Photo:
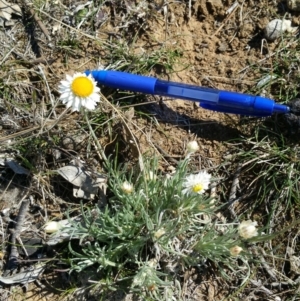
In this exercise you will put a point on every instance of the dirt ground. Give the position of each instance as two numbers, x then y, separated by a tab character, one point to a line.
215	49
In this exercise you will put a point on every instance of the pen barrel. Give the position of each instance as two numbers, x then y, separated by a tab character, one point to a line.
253	104
124	81
185	91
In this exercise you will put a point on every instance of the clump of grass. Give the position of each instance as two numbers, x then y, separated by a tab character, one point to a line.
125	56
273	162
270	153
278	77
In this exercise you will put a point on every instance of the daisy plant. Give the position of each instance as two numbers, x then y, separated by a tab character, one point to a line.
155	227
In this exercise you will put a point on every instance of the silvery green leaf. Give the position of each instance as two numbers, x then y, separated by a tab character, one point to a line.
65	233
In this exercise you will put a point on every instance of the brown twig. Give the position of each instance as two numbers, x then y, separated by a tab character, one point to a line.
165	154
271	271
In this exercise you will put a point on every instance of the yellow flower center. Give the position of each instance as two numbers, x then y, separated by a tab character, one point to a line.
82	86
197	188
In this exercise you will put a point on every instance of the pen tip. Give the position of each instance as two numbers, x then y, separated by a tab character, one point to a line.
279	108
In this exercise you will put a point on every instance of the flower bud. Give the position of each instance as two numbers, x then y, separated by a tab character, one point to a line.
235	251
127	187
192	146
247	229
52	227
159	233
150	176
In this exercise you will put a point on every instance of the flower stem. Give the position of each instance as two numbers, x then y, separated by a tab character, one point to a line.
99	146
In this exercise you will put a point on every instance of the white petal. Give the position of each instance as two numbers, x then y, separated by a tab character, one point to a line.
96	96
65	94
77	104
90	106
69	78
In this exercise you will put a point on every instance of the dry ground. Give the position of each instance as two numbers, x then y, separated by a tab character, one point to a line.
199	45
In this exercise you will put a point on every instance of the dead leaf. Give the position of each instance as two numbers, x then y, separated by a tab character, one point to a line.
16	167
56	28
24	277
7	9
86	184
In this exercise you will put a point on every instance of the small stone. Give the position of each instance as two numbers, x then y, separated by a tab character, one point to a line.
293	117
277	27
222	47
68	143
295	106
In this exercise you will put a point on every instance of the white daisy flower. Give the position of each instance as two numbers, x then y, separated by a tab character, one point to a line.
196	184
79	91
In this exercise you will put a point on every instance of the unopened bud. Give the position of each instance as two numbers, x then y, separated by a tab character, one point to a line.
52	227
235	251
247	229
192	146
160	232
127	187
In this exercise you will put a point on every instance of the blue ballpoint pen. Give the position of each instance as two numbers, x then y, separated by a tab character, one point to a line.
212	99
